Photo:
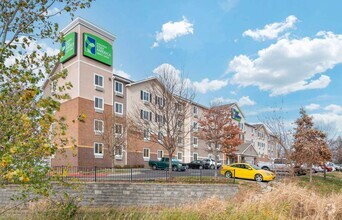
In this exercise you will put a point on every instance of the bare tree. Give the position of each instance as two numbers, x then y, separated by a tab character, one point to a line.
163	118
219	131
275	123
310	144
114	134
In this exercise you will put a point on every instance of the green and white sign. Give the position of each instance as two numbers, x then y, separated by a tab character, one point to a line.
97	49
69	47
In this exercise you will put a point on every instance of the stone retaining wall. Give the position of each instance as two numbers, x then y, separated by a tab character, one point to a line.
113	194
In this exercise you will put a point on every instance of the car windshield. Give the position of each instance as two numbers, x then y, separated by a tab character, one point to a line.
174	160
255	167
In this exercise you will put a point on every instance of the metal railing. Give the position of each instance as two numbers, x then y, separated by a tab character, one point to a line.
101	174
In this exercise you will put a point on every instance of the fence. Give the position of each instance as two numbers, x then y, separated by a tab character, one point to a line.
100	174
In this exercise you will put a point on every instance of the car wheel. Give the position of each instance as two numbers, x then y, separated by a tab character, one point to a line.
212	167
258	178
174	168
229	174
200	167
154	167
265	168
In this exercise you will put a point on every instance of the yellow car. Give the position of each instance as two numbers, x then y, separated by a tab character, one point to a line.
246	171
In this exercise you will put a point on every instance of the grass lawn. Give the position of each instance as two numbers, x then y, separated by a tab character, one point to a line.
332	184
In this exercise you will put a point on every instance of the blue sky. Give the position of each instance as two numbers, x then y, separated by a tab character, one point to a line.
261	54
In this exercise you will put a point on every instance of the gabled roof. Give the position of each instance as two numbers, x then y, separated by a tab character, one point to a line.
246	149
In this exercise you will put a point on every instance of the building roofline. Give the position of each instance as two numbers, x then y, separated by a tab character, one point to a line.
122	78
89	25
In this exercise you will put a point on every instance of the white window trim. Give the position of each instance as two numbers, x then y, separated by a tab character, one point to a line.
193	110
178	156
98	87
119	157
193	125
193	141
98	155
118	113
97	109
149	96
115	129
117	92
162	154
148	138
97	131
149	154
193	156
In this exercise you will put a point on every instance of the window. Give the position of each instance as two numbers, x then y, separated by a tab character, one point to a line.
179	140
195	110
179	124
195	141
146	134
160	101
159	119
118	129
98	126
195	126
98	150
98	81
146	154
118	88
98	104
53	87
145	96
180	156
118	108
160	136
179	107
146	115
160	154
195	156
241	126
118	152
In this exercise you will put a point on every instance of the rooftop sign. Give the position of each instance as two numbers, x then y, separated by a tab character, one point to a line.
97	49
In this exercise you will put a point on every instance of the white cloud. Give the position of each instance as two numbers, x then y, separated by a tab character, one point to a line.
54	11
206	85
227	5
172	30
331	119
271	31
337	109
203	86
289	65
121	73
312	107
243	101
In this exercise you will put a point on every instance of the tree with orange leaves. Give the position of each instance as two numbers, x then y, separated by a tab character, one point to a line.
310	144
219	131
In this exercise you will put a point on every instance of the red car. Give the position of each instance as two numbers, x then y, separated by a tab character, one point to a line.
329	169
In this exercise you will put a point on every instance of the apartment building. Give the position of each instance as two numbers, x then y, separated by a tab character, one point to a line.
264	143
108	102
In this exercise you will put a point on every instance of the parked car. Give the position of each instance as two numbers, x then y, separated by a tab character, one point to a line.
195	164
282	165
246	171
329	169
210	164
317	169
333	166
164	164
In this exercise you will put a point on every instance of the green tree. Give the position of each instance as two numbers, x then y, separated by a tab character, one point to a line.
310	144
26	115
